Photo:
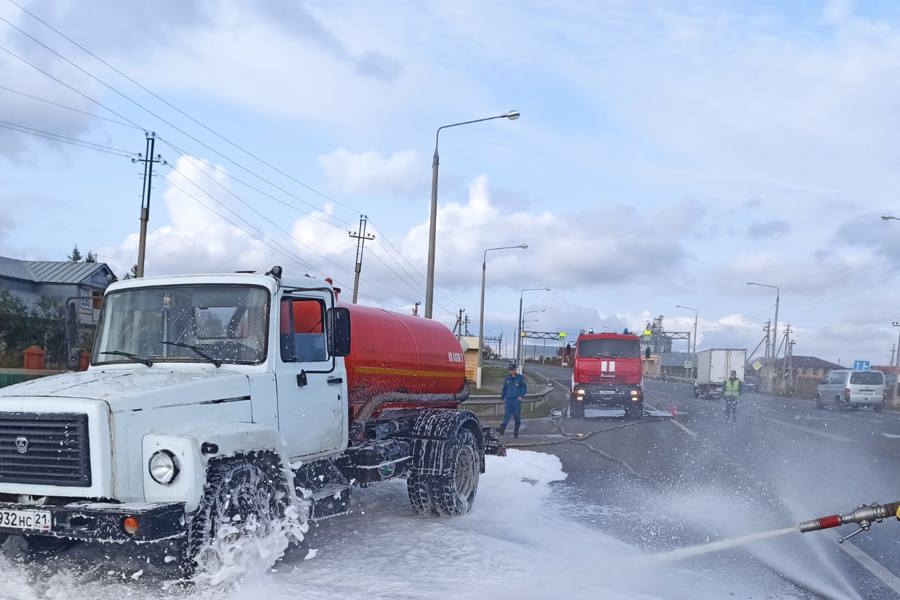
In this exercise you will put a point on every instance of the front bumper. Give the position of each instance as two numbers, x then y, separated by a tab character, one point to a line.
102	522
619	397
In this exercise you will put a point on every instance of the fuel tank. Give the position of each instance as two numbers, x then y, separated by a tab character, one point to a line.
405	355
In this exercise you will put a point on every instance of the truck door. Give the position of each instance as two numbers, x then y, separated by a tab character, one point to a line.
311	413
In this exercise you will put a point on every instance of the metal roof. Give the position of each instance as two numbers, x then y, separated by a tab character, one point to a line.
48	271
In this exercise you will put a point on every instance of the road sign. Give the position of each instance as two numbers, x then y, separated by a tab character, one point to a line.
562	334
861	365
688	364
757	365
648	334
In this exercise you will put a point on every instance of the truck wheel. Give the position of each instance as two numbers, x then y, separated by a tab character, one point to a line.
819	404
576	410
419	494
634	410
243	497
453	492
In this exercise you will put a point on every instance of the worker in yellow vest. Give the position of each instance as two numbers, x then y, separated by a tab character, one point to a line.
733	389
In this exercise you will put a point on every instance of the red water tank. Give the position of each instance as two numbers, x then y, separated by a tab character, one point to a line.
403	354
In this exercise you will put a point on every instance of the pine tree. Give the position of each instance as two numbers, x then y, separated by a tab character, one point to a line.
91	257
76	254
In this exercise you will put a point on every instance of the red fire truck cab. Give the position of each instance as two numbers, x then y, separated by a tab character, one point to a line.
607	373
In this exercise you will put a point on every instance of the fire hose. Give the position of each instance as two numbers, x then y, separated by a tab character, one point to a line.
863	515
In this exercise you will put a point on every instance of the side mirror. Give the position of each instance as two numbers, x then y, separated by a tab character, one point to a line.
338	320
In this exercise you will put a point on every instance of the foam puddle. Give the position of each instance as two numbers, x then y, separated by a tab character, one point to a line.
718	546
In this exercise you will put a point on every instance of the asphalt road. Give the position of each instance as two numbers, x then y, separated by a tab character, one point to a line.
663	483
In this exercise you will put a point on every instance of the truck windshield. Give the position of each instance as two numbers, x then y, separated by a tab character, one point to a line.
609	348
226	323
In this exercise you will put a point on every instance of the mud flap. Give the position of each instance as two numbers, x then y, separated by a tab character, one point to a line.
492	444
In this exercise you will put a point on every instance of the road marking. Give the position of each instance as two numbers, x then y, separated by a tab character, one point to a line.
872	566
684	428
565	388
691	433
830	436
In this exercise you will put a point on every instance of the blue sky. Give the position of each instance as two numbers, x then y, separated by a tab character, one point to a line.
667	153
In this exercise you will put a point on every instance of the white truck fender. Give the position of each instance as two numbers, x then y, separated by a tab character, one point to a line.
187	445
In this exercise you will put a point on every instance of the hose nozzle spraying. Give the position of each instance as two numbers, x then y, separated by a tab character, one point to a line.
863	515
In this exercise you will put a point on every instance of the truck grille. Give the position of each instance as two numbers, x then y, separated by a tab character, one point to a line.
45	449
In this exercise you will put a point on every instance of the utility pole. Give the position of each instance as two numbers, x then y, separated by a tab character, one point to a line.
893	349
148	161
361	237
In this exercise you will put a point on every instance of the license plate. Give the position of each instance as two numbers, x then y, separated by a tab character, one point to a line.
26	520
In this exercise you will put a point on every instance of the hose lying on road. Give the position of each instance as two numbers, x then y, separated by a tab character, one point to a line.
581	440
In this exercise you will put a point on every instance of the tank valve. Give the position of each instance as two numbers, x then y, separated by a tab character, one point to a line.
863	515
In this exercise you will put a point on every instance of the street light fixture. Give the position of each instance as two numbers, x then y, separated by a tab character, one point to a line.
696	313
432	225
519	331
481	316
889	218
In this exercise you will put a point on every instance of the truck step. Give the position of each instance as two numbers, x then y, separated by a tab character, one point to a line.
329	501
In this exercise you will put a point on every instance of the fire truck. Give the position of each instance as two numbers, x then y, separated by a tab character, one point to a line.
607	373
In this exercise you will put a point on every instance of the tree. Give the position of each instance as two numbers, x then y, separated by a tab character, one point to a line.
41	324
132	273
76	254
91	257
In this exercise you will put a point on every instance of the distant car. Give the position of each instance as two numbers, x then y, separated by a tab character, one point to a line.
852	389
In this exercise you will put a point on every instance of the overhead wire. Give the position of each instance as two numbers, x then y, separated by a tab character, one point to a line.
179	129
65	139
69	108
178	110
203	125
292	237
161	118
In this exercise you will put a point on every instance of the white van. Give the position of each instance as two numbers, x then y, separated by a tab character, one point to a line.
852	389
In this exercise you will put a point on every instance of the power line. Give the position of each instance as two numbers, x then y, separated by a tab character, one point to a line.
65	139
69	108
214	199
160	118
276	246
175	108
196	121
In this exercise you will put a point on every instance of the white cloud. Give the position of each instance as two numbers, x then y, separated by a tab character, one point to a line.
373	173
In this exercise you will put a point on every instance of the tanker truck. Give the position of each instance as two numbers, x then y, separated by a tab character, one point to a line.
235	399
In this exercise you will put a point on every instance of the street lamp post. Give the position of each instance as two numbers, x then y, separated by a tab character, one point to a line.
696	313
519	331
481	315
775	324
889	218
432	224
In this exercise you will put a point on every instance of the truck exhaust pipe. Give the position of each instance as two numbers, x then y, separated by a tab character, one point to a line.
863	515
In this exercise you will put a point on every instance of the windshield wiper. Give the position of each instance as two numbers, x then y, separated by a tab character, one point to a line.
134	357
197	351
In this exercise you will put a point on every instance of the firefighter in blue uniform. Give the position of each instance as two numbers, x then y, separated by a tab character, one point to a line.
514	390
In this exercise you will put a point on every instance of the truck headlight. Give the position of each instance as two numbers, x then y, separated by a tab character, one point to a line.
163	467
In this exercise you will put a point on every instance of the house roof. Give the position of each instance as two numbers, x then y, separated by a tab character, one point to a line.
676	359
811	362
49	271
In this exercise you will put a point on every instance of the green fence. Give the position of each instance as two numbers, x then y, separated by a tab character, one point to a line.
11	376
